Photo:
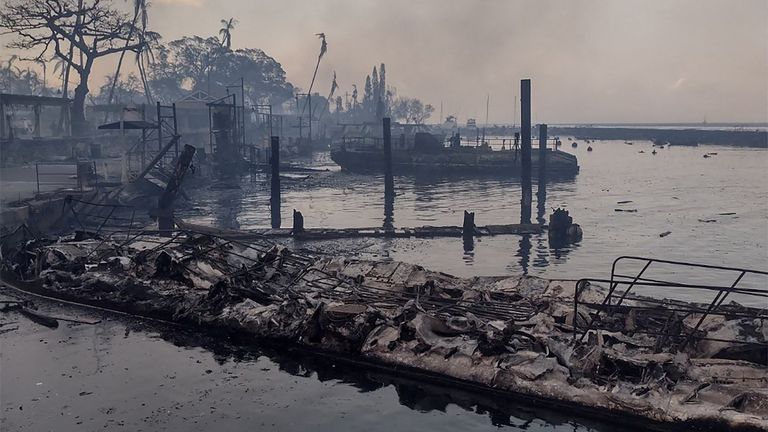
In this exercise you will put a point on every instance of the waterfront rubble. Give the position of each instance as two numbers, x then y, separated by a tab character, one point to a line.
511	334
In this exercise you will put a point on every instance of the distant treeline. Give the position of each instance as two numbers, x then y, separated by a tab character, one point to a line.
736	138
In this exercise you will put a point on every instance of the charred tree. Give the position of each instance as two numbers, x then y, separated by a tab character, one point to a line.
93	28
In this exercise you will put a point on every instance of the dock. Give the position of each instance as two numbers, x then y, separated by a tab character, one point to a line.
368	232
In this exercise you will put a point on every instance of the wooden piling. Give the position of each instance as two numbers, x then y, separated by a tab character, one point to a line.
274	200
541	193
468	231
468	228
525	151
298	222
389	182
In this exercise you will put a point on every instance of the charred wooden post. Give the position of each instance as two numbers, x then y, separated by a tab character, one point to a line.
389	182
468	229
541	193
525	151
274	200
298	222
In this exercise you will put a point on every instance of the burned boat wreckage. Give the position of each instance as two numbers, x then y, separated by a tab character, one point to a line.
361	149
597	346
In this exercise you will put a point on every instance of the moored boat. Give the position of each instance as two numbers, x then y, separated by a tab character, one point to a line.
426	153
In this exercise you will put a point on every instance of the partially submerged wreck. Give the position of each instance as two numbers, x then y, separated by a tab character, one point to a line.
594	345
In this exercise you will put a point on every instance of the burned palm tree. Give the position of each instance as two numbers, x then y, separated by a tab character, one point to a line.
226	32
334	86
140	16
323	50
146	55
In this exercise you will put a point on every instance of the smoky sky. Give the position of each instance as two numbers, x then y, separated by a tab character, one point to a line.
589	61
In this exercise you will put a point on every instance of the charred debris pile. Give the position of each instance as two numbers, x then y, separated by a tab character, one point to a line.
590	345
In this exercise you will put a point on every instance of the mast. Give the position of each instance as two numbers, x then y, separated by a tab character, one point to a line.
487	104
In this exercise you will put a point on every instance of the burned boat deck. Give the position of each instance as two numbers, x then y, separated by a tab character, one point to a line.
568	343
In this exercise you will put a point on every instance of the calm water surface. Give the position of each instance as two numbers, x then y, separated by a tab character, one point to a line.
123	374
716	210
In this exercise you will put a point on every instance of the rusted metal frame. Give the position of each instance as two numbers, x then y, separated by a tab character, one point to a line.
716	302
607	299
687	311
755	292
75	214
98	230
689	264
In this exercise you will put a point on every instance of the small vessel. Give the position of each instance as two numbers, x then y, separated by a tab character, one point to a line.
574	144
589	149
653	152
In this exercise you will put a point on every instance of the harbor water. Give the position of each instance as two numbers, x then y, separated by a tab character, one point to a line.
674	205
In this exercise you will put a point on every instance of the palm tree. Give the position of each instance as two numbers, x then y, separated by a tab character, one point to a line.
226	32
144	56
42	62
139	13
323	50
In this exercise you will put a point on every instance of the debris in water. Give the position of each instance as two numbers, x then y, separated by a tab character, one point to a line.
665	233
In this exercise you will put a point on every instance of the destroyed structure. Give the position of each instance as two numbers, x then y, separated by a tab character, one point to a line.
593	345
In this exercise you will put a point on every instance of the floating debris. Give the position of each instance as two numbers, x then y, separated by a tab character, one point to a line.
665	233
625	210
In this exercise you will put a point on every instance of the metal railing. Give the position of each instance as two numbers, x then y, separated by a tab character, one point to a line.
97	217
51	176
665	317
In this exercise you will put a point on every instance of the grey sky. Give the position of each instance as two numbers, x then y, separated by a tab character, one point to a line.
590	61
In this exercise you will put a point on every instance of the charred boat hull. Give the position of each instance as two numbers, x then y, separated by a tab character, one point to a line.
469	160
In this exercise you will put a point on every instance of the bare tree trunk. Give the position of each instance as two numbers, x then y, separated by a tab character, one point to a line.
65	85
79	126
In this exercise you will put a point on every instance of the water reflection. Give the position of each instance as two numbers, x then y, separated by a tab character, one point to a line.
389	210
227	205
412	392
524	252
